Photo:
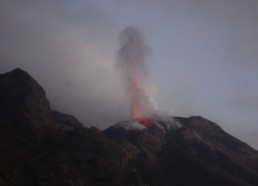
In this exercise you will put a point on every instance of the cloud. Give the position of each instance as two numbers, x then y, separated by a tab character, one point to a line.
70	50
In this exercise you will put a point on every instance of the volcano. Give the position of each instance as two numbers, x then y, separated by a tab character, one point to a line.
187	151
40	147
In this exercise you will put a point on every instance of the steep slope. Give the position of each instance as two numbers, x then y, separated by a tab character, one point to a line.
187	151
21	98
208	141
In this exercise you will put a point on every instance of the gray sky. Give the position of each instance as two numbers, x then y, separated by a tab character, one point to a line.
204	57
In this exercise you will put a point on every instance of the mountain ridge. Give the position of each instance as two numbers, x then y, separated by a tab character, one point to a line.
39	146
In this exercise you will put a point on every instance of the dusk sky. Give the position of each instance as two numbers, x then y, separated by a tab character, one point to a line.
203	59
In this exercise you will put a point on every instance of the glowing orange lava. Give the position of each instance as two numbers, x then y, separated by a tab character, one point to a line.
144	121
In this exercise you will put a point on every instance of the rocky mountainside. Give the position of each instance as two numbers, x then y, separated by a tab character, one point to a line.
187	151
41	147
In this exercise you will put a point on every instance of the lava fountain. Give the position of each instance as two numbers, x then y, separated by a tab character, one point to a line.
131	59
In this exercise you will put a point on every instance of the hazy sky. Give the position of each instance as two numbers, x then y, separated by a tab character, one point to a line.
204	56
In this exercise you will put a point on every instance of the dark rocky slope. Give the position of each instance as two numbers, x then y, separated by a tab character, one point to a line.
40	147
43	147
187	151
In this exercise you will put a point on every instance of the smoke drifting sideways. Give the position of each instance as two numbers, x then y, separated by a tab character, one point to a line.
131	60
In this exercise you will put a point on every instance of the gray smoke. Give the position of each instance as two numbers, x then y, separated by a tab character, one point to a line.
131	60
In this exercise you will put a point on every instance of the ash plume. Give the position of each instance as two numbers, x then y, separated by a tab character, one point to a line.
131	59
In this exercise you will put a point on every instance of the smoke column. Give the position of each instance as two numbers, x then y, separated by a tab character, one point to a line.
131	59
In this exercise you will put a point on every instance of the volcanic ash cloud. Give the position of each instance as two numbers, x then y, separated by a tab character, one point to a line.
131	60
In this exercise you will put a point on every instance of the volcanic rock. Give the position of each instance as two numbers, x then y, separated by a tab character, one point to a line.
187	151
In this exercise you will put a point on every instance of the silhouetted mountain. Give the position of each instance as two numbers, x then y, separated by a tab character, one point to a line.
37	149
41	147
21	98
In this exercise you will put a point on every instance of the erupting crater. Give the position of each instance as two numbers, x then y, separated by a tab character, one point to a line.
144	121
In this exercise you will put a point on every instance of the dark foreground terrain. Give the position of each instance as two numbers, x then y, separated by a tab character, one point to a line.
41	147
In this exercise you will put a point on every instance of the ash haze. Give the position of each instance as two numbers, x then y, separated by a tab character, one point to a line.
204	57
131	60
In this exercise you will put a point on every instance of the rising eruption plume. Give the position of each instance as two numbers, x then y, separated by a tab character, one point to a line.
131	58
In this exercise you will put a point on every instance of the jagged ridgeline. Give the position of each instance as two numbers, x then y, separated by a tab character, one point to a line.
41	147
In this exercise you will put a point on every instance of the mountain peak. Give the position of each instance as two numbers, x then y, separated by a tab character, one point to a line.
18	74
21	94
